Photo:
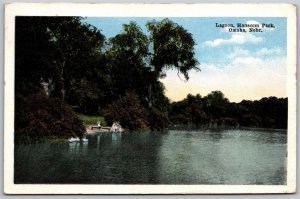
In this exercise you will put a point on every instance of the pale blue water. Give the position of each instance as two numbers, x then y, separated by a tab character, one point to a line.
175	157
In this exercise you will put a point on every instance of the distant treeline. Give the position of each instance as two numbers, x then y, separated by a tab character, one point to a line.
215	111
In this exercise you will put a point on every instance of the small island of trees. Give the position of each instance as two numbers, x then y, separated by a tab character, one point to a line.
66	69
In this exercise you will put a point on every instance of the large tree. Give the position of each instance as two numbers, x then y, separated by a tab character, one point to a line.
172	47
64	53
127	60
58	48
138	61
33	54
77	46
85	71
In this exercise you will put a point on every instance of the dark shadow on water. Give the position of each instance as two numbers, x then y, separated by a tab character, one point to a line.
216	135
108	158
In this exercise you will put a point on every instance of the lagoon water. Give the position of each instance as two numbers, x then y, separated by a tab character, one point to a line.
176	157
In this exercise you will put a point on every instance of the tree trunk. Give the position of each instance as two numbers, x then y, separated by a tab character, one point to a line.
61	81
150	96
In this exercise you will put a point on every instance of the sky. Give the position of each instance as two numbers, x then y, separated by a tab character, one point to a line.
242	65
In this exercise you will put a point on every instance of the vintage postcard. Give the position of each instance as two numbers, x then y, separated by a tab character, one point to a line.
150	98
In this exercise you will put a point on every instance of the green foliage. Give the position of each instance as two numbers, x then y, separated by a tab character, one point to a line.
89	73
271	112
133	54
158	120
128	70
190	110
215	104
215	108
173	47
128	111
32	54
119	78
131	70
38	118
131	41
87	119
68	53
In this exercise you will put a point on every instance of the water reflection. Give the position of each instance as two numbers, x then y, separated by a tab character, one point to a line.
174	157
78	148
116	138
216	135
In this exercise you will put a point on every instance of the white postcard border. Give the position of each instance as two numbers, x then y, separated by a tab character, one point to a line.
146	10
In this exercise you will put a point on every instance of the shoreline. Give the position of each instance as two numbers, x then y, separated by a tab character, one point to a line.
116	127
261	129
89	131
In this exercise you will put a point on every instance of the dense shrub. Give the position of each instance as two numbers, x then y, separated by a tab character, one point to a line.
37	117
128	111
158	120
189	111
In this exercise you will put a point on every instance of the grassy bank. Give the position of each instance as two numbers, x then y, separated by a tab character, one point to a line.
87	119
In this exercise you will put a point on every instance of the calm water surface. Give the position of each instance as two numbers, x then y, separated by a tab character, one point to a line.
176	157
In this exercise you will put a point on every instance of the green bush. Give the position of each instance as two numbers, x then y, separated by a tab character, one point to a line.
37	118
158	120
128	111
